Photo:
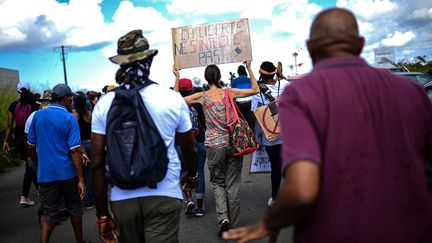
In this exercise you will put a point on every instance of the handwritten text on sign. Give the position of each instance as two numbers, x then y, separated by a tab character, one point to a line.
215	43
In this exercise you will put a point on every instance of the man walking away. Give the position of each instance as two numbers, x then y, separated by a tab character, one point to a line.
244	103
143	214
55	133
353	148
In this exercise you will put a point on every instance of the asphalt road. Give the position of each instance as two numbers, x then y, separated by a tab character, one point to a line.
19	224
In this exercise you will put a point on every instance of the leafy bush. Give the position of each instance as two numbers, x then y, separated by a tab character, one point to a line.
9	160
7	96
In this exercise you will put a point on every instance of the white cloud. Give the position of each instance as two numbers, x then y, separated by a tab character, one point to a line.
398	38
80	23
423	13
368	8
247	8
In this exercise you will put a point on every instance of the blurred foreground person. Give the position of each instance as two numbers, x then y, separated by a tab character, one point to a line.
353	143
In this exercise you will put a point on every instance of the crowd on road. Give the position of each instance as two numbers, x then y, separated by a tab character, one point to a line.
349	165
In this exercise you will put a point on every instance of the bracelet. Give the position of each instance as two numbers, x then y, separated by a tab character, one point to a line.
104	219
193	177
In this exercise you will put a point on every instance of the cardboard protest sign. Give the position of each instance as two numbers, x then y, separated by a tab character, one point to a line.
260	161
212	43
268	118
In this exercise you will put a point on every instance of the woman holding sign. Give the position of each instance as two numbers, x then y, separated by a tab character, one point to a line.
225	169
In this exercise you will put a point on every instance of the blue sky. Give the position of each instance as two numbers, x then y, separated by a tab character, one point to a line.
30	35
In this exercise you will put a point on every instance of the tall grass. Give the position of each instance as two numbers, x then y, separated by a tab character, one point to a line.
7	96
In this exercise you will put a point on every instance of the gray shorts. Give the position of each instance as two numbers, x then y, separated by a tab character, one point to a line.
51	195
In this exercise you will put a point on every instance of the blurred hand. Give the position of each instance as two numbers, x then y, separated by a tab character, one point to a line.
191	183
246	234
81	189
6	147
85	159
30	161
176	72
109	232
279	71
247	63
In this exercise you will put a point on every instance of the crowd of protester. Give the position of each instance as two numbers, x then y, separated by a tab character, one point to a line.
349	165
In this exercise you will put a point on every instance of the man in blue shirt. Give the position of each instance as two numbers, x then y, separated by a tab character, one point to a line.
244	104
55	133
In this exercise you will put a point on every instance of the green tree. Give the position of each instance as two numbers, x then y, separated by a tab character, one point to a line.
419	64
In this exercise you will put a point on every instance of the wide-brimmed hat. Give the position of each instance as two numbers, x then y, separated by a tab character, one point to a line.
132	47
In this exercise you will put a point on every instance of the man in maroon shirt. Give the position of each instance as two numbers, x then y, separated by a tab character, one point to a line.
353	141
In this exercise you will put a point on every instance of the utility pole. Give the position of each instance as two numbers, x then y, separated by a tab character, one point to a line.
64	61
295	54
292	69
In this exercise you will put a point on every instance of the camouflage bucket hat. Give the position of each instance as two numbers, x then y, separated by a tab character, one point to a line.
132	47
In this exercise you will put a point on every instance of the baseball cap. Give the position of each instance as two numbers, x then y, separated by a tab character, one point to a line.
61	90
23	85
185	84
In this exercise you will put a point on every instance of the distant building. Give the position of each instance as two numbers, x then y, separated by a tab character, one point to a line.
9	78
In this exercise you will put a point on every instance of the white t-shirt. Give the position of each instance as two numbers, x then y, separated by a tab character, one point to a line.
170	114
276	91
28	122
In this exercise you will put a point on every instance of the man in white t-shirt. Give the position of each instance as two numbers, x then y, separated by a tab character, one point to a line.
143	214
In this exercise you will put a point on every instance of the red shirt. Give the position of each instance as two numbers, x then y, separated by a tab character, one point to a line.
366	129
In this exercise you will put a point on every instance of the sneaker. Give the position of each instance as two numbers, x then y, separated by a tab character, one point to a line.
270	202
199	212
189	208
26	201
224	225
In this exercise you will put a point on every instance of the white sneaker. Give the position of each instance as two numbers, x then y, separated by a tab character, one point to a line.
26	201
270	202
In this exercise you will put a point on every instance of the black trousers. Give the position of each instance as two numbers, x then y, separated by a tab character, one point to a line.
274	154
29	178
30	173
245	109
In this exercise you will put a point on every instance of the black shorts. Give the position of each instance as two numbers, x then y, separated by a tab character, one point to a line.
51	195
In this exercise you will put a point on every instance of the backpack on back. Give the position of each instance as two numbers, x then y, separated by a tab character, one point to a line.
22	112
136	154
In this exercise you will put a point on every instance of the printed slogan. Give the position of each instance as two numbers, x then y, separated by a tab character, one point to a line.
213	43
